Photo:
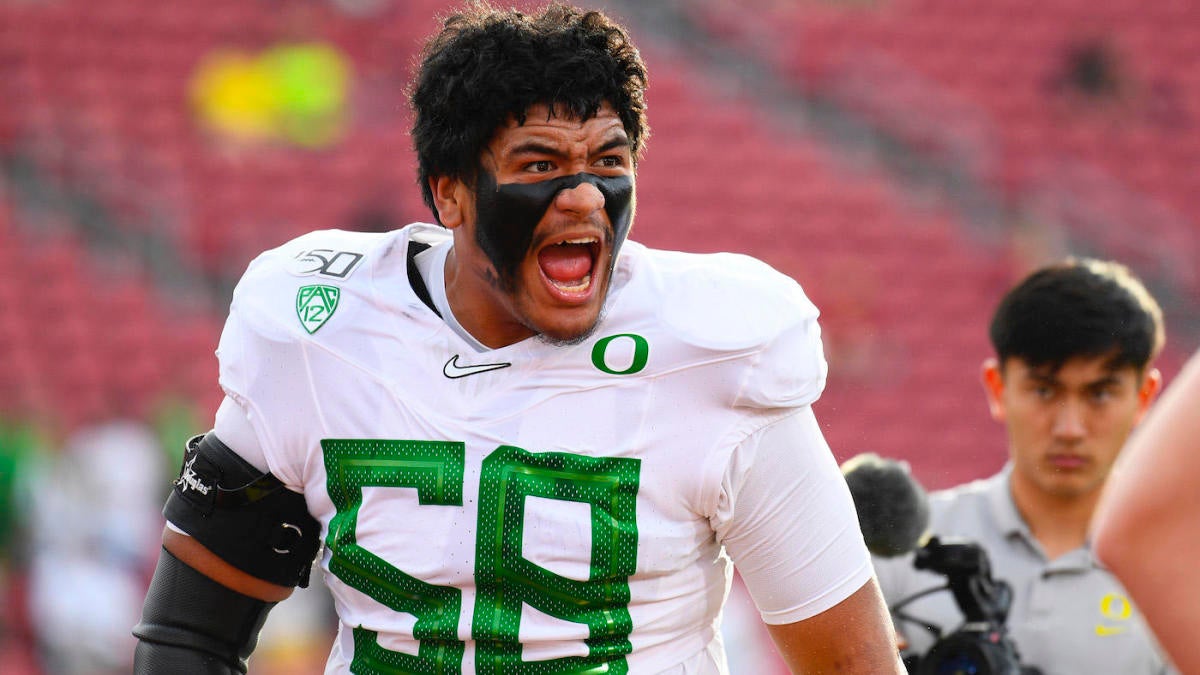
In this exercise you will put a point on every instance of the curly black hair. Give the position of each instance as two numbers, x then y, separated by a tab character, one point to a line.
486	66
1079	307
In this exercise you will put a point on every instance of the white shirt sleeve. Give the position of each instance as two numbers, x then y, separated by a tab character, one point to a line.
787	520
233	428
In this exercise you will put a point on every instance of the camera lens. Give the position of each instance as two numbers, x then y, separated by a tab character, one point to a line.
958	664
969	653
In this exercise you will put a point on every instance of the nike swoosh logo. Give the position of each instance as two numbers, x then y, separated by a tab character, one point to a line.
454	371
1103	630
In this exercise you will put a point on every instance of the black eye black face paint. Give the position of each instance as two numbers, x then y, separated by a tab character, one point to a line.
509	213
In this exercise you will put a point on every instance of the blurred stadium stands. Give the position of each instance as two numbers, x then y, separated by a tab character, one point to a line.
903	160
989	137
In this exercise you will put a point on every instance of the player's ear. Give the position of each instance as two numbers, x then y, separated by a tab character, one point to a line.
449	195
992	377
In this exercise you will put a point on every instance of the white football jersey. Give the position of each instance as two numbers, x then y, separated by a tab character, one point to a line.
536	508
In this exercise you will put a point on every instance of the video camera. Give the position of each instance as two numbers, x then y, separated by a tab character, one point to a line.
894	515
981	646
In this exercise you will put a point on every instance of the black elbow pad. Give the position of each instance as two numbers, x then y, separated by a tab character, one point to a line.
246	517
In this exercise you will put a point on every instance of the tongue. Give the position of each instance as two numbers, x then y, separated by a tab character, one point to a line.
567	262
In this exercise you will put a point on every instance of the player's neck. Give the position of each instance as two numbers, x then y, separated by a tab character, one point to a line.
1058	522
477	308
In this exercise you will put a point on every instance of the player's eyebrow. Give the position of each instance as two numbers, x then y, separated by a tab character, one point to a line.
535	148
618	140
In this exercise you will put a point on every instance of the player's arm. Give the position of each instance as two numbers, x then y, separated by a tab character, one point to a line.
854	636
793	534
1145	524
236	544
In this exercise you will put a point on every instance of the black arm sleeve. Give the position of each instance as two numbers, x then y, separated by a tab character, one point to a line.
192	624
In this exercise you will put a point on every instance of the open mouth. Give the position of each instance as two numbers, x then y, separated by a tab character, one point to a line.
568	266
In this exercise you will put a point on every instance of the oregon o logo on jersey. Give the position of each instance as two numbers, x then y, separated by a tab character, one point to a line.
637	361
315	304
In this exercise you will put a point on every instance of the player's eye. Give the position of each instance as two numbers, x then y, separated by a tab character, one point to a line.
540	166
611	161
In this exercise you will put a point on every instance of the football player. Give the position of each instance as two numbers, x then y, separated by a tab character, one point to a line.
521	442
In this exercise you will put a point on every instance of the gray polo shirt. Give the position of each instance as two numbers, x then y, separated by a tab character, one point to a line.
1069	616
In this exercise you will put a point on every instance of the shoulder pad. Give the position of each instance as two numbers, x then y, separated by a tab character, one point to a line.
729	301
735	303
330	254
274	299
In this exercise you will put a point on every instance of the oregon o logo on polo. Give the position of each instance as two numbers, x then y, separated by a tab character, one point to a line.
1116	607
315	304
604	353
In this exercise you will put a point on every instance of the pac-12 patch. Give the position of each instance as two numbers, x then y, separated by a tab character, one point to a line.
315	304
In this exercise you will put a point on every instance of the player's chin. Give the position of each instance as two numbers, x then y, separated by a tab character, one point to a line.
565	315
565	323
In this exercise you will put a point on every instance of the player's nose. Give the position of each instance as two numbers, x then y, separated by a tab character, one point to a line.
582	199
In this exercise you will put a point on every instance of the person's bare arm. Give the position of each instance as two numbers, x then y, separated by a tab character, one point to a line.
1145	528
854	637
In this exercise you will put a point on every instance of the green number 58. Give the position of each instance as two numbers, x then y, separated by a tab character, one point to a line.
504	578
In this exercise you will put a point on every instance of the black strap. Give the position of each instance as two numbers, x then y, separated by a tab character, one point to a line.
246	517
229	491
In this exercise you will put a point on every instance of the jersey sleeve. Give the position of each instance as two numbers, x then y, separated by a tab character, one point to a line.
263	356
787	520
232	426
256	350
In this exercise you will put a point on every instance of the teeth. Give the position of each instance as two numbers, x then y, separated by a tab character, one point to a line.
581	240
574	288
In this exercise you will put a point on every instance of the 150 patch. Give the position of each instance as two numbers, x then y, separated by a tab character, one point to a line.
325	262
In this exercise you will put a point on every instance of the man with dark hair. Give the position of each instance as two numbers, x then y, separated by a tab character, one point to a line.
521	451
1071	376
